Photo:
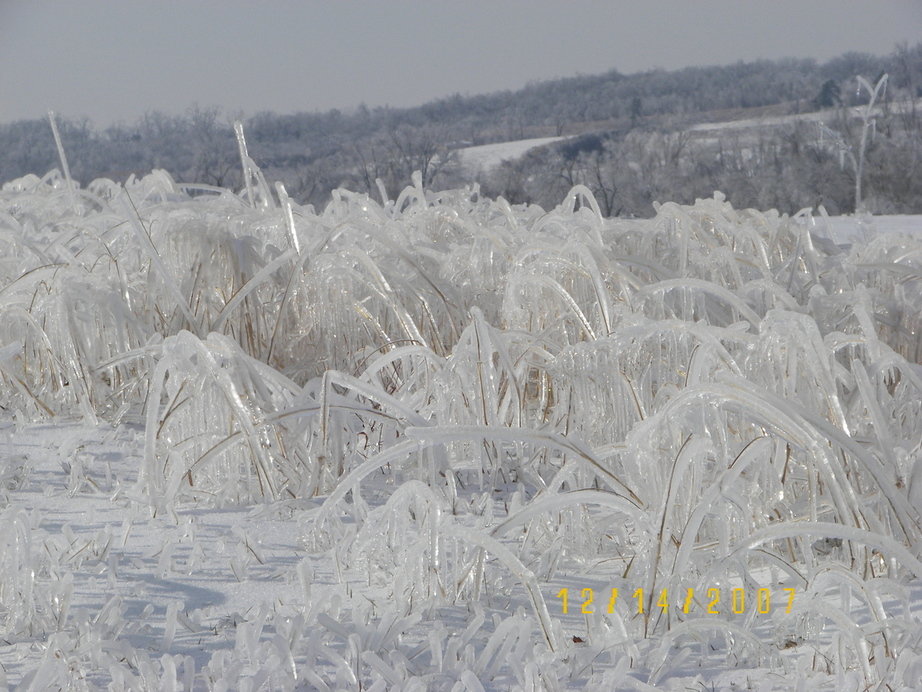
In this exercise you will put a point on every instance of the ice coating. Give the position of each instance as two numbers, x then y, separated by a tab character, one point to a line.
461	407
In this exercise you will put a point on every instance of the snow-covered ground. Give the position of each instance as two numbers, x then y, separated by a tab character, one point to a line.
848	229
485	157
381	447
821	116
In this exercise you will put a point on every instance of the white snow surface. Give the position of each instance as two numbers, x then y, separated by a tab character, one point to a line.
485	157
849	229
820	117
191	497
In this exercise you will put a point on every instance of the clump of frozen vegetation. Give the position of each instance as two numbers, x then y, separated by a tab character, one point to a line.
461	408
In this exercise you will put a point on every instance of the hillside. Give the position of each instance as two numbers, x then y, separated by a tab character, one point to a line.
313	153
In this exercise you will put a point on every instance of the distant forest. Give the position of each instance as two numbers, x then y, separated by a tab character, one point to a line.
632	139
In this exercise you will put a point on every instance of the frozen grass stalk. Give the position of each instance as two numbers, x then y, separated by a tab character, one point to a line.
867	123
62	156
244	162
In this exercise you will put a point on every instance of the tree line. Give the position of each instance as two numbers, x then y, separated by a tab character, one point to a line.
628	138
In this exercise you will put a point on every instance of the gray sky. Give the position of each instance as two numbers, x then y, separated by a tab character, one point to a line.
113	60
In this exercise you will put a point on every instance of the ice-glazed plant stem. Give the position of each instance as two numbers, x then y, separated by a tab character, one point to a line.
540	438
829	529
289	216
131	213
65	169
526	576
866	123
244	161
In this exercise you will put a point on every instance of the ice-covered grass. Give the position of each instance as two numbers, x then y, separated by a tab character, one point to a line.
380	446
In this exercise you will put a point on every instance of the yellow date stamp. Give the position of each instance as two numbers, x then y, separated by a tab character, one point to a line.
713	601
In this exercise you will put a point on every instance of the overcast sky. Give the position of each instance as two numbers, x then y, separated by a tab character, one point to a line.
113	60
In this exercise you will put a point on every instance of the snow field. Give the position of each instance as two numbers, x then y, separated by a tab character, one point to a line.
249	444
484	157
